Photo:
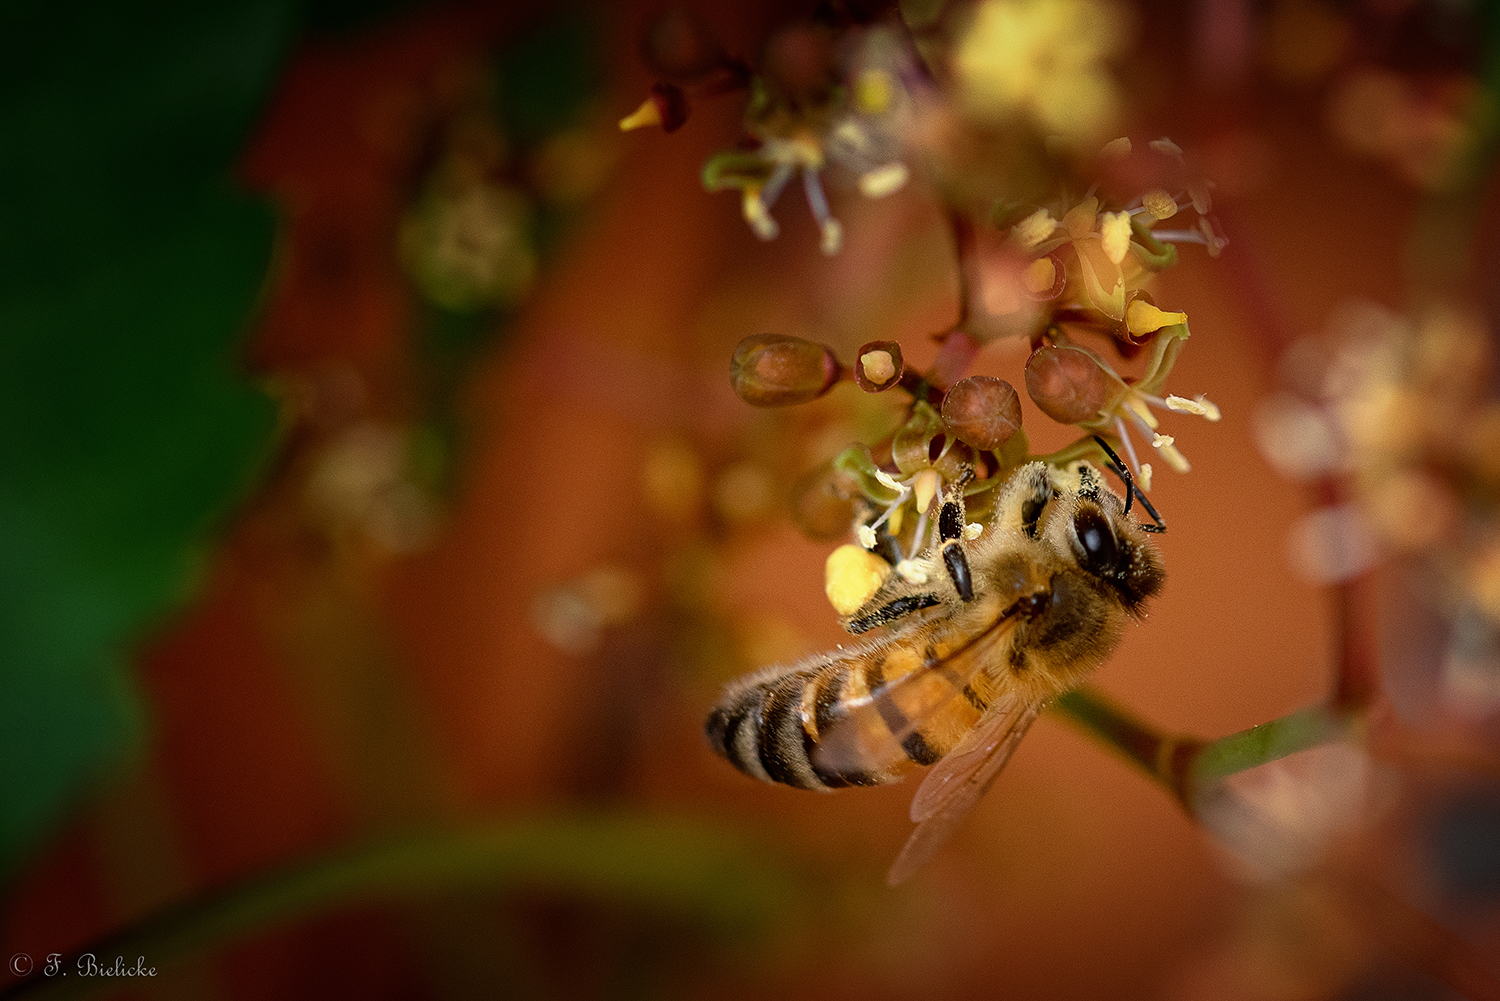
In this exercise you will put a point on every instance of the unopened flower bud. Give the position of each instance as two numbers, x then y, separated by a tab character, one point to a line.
879	366
982	411
1066	384
774	370
666	105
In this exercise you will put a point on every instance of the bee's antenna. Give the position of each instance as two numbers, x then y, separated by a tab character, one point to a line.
1131	490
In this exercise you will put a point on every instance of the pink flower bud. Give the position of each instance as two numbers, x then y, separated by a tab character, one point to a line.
774	370
1066	384
982	411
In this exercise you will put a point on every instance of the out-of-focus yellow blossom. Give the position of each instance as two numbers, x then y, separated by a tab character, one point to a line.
1044	59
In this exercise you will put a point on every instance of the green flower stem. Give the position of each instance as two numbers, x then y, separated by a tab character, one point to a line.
1186	766
672	866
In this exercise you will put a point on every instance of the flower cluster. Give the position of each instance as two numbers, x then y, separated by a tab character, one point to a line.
1398	417
970	104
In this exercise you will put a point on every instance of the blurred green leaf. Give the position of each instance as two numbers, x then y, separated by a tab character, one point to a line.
128	272
678	867
545	77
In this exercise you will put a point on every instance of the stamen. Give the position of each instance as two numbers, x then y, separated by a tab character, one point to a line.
776	183
919	537
1179	236
755	213
1135	463
817	201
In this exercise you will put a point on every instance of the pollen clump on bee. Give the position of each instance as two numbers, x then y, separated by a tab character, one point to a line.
851	575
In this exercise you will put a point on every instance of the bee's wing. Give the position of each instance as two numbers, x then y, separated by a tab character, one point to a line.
957	782
869	732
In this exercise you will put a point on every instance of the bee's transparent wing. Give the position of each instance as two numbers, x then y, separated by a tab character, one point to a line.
957	782
868	733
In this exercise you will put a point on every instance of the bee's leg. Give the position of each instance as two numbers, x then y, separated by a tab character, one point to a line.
950	536
891	611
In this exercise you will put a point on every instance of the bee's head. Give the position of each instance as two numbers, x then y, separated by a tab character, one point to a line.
1110	546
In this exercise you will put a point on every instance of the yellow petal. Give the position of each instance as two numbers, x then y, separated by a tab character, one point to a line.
1079	222
851	576
647	115
925	486
1143	318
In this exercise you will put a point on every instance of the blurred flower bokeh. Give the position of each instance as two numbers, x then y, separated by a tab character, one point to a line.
416	413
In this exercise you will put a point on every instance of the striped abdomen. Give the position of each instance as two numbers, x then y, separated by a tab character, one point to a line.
768	724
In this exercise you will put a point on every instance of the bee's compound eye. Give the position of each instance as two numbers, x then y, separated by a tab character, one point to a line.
1097	549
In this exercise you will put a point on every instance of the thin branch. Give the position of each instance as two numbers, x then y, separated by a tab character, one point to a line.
1188	767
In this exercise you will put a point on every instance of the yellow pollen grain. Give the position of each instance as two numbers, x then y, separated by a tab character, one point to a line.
912	571
874	92
1160	204
1034	228
879	367
1041	275
884	180
851	576
1114	230
755	213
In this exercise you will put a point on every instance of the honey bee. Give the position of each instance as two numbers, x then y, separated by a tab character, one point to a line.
983	634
